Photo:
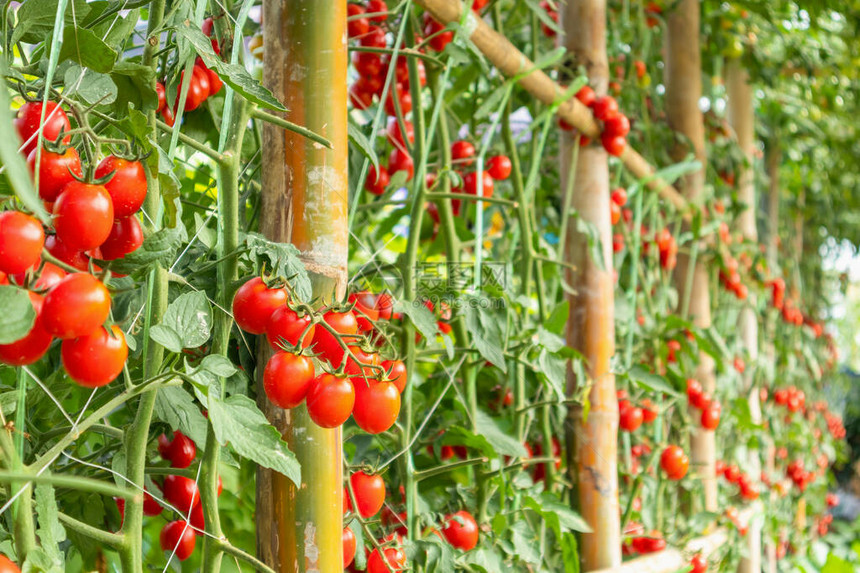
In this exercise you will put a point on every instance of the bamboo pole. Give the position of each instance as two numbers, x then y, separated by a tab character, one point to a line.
683	92
304	201
592	441
513	63
741	117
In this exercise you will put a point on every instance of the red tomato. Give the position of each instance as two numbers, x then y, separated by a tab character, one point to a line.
396	373
461	530
83	215
400	160
35	343
394	556
369	491
325	344
385	306
285	327
586	96
162	97
287	379
395	134
178	538
440	36
198	88
7	566
463	152
196	519
377	181
619	196
330	400
356	26
348	546
21	241
616	126
364	310
78	259
254	303
605	108
499	167
711	416
181	492
377	405
374	38
470	184
630	419
649	411
404	100
127	187
180	451
55	171
614	145
151	507
126	236
28	121
95	359
674	462
367	63
732	473
48	277
215	81
614	213
695	393
617	243
699	564
168	116
77	306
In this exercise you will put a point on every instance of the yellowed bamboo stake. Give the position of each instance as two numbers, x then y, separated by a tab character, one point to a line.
513	63
742	119
683	92
304	201
592	442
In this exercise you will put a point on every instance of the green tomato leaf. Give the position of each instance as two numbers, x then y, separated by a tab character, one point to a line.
652	382
16	313
84	47
237	420
360	141
187	323
51	533
283	260
134	87
177	407
485	328
90	86
161	247
233	75
36	19
420	316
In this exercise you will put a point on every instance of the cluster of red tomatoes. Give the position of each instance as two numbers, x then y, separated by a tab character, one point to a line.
700	400
372	67
498	168
630	417
642	544
617	200
91	218
178	536
354	381
616	126
730	278
368	492
667	246
203	84
732	473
